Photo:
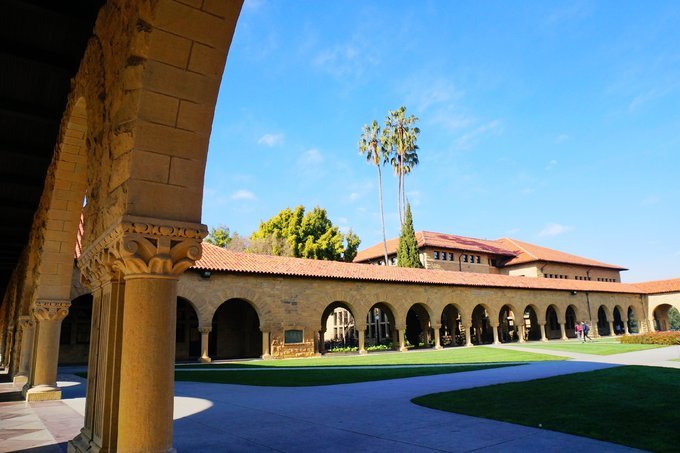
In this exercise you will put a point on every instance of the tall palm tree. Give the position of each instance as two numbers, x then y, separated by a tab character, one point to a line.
371	145
399	138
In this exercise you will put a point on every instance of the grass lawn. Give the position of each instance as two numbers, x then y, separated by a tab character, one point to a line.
473	355
355	368
635	406
597	347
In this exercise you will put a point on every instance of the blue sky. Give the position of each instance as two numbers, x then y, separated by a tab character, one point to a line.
556	123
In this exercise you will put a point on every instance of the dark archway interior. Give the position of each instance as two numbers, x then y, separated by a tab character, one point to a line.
451	332
508	331
418	326
533	330
74	342
188	338
633	326
236	331
481	326
602	323
570	322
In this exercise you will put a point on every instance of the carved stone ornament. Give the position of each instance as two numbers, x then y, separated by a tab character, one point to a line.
204	330
51	310
26	322
142	246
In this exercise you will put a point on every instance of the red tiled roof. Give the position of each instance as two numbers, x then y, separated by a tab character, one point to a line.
660	286
219	259
430	239
527	253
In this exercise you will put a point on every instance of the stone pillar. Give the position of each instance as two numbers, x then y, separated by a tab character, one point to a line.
437	336
563	329
522	332
362	339
322	342
205	338
402	342
594	331
468	337
266	345
541	327
494	329
626	331
43	380
9	342
612	332
27	326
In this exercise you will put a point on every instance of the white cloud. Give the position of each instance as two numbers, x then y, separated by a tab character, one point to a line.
552	164
354	196
345	60
561	138
555	229
243	194
270	140
311	157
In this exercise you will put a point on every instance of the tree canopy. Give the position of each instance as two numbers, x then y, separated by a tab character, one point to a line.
219	236
407	253
292	232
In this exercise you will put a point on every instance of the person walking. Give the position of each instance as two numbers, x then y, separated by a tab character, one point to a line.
585	329
578	331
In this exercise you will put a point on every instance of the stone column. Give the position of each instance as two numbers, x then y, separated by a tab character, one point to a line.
43	381
9	342
594	331
27	326
322	342
563	329
612	332
494	329
266	345
437	336
402	342
522	330
205	337
362	339
541	327
626	331
468	337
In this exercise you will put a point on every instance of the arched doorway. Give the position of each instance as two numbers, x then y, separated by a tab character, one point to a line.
452	332
570	322
74	341
236	331
531	326
552	324
338	327
481	330
633	324
418	328
602	322
661	320
187	336
619	328
507	325
379	322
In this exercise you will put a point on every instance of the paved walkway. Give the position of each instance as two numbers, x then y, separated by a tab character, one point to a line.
375	416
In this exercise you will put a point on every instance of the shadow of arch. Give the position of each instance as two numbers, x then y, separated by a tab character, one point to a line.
235	331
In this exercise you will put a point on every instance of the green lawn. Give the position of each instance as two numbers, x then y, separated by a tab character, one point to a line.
634	405
597	347
473	355
355	368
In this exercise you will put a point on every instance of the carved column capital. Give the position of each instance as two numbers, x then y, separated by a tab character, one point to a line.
205	330
26	322
51	310
140	246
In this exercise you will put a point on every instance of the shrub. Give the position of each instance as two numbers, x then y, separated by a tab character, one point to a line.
380	347
668	338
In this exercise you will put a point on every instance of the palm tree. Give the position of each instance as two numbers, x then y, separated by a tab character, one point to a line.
399	138
371	145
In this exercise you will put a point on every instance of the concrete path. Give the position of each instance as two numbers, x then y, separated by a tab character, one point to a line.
375	416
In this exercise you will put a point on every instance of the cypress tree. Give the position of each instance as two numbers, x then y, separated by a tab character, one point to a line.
407	253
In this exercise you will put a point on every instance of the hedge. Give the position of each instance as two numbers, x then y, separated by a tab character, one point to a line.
668	338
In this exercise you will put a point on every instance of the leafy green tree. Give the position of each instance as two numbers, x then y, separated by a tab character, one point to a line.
399	137
352	242
372	146
407	253
674	318
220	236
303	235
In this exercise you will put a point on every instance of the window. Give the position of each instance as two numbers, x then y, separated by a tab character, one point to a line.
479	259
436	255
443	255
394	261
493	262
292	336
465	258
450	256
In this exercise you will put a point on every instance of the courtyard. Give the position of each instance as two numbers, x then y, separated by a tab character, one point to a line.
362	416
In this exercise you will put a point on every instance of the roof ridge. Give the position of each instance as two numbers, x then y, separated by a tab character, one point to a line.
514	241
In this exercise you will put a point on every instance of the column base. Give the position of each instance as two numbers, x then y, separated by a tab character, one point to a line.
438	348
404	349
20	380
82	444
363	352
205	360
43	393
266	357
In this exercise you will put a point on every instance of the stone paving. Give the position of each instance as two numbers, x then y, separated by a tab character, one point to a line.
375	416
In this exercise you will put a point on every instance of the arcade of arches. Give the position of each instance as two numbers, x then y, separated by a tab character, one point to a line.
129	161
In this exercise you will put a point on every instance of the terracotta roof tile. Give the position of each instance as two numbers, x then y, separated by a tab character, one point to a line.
219	259
527	253
660	286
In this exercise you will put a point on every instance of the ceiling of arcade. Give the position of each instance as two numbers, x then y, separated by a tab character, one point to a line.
41	45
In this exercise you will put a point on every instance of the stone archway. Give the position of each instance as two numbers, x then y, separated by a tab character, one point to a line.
661	319
338	328
633	321
603	327
619	324
532	328
570	321
452	332
481	329
187	336
552	324
507	325
236	331
380	326
418	326
74	342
